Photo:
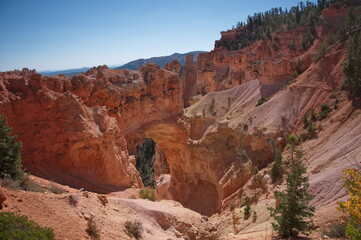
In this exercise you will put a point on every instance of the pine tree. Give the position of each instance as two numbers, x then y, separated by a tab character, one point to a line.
10	158
277	170
293	141
292	212
352	67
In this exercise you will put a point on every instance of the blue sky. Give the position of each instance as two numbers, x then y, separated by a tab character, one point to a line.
64	34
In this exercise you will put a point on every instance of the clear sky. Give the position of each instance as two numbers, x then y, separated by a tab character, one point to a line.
64	34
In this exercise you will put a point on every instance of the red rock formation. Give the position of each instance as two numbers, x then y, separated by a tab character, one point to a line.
173	66
221	69
227	37
73	131
84	129
189	79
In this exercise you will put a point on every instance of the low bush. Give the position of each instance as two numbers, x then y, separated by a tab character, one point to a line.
311	131
247	212
335	230
55	189
24	183
93	229
133	229
261	101
325	110
147	193
20	227
27	184
254	216
277	168
321	52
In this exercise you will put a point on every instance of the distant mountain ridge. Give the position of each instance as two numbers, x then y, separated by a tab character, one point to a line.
68	72
133	65
181	57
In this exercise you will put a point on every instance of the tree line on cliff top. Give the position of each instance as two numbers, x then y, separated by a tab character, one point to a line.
261	25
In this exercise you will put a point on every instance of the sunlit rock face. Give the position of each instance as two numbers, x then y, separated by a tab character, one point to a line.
74	130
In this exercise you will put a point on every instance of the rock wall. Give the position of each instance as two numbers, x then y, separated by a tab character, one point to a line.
220	70
78	131
189	79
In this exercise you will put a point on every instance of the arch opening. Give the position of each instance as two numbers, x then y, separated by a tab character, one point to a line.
150	162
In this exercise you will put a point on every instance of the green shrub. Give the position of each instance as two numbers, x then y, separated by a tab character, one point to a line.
321	52
147	193
133	229
305	121
307	39
311	131
10	152
247	212
353	230
93	229
277	169
27	184
293	141
24	183
55	189
313	116
254	216
21	228
335	230
325	110
261	101
294	75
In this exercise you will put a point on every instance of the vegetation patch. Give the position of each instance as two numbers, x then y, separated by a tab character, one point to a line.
247	212
325	110
277	168
145	157
352	67
10	152
55	189
93	229
261	101
24	183
335	230
261	25
352	206
292	213
20	227
133	229
147	193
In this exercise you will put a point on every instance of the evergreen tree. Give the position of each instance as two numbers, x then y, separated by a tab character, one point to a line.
10	158
292	212
352	66
293	141
277	170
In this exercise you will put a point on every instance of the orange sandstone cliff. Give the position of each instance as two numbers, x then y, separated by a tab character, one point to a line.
77	131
